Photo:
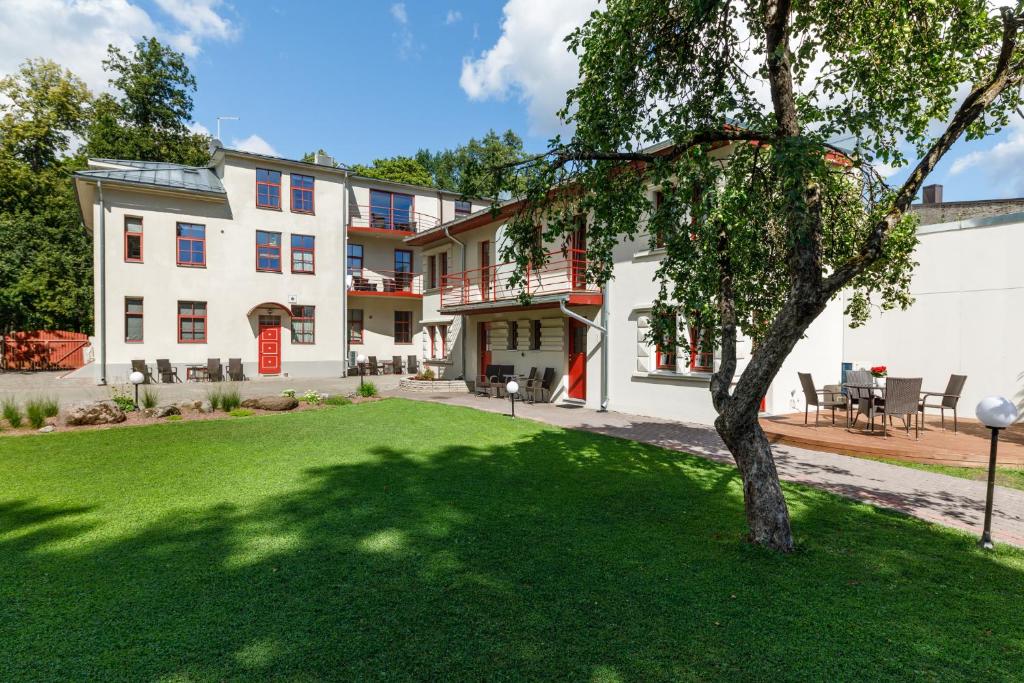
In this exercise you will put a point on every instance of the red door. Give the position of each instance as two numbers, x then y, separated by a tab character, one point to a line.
577	360
270	345
485	351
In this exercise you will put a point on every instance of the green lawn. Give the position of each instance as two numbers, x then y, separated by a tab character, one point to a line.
400	540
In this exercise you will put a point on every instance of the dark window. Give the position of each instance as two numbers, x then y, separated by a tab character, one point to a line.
403	327
535	338
442	332
133	319
355	326
462	207
303	324
268	251
513	335
302	193
355	259
443	263
659	199
391	210
303	257
133	239
432	271
191	322
268	189
191	245
431	331
702	357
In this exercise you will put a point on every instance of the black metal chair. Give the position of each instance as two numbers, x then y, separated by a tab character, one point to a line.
374	368
140	366
483	382
214	370
535	387
412	365
948	399
236	372
167	372
396	365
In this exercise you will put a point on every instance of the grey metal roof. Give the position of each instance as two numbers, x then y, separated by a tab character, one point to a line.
133	163
159	174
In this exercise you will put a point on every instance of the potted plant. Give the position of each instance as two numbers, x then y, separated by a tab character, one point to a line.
879	372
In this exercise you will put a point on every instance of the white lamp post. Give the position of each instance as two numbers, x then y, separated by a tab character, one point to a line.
361	362
136	378
996	413
512	387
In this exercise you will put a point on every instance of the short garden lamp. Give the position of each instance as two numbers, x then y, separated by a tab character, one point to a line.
136	378
996	413
512	387
361	362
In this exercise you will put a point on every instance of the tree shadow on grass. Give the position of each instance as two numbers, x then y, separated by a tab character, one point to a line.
559	555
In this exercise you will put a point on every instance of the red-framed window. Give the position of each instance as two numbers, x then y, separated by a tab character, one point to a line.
432	271
133	320
355	259
268	251
666	355
303	324
303	254
442	332
463	207
701	358
268	189
302	193
431	331
191	246
403	327
133	239
392	210
355	326
191	322
442	262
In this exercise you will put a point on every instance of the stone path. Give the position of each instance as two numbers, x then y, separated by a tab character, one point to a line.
938	498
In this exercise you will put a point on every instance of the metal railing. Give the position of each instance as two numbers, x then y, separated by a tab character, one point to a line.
399	283
564	272
384	218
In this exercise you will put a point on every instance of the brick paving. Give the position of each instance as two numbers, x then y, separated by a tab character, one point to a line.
938	498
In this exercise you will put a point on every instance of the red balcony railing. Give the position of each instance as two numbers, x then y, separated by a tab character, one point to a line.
367	282
369	217
563	273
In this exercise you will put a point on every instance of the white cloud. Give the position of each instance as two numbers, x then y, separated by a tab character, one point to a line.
399	13
197	127
255	144
75	33
1001	164
403	36
454	16
530	59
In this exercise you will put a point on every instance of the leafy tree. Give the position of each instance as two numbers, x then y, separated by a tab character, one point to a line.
148	117
469	169
764	222
396	169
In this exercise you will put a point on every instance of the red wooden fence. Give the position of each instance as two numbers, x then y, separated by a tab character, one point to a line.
43	350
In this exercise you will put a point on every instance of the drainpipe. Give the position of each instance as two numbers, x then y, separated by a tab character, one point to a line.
462	318
102	323
603	329
344	273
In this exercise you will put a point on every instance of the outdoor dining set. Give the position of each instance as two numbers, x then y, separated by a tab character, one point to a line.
395	366
533	386
862	393
212	371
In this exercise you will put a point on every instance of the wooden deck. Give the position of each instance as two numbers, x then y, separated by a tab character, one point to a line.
968	448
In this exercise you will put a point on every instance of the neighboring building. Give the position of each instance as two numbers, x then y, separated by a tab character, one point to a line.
244	259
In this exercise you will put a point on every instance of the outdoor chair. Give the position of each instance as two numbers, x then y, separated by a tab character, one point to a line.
412	365
214	371
858	390
831	397
374	368
503	374
902	399
541	387
947	400
396	365
168	373
140	366
236	372
483	382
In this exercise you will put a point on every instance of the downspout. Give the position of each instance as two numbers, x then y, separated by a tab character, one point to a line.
603	329
344	274
462	317
103	286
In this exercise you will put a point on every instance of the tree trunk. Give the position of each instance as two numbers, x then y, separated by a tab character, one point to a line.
764	504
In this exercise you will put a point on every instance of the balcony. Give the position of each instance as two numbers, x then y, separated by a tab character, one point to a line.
367	282
388	222
563	274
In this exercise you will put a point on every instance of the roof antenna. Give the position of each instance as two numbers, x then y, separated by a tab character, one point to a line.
224	118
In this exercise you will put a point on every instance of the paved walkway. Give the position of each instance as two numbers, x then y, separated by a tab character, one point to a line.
938	498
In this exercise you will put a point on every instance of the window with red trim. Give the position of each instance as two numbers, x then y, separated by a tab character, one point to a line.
191	245
302	193
431	331
133	319
391	210
442	262
268	189
442	332
355	259
666	356
432	271
303	324
403	327
268	251
133	239
463	207
355	326
191	322
702	359
303	255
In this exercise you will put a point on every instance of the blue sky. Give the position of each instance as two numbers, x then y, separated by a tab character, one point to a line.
373	78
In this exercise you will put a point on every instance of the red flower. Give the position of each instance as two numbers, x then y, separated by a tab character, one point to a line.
879	371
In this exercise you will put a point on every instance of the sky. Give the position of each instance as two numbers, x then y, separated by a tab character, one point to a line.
365	79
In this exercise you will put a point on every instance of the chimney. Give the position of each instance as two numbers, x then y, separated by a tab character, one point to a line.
932	194
324	160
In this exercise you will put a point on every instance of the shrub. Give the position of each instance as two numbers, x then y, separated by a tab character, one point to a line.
12	413
50	406
36	412
426	376
337	401
214	396
312	397
149	397
230	400
240	412
367	389
290	393
173	418
122	398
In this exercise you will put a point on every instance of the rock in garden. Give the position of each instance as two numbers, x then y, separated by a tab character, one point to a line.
205	407
271	403
164	411
46	430
95	413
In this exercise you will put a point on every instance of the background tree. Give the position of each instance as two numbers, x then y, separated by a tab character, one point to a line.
760	245
469	169
397	169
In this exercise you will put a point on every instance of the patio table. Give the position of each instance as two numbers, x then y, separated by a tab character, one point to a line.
872	389
196	373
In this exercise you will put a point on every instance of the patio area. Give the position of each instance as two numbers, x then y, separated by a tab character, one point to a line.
966	448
